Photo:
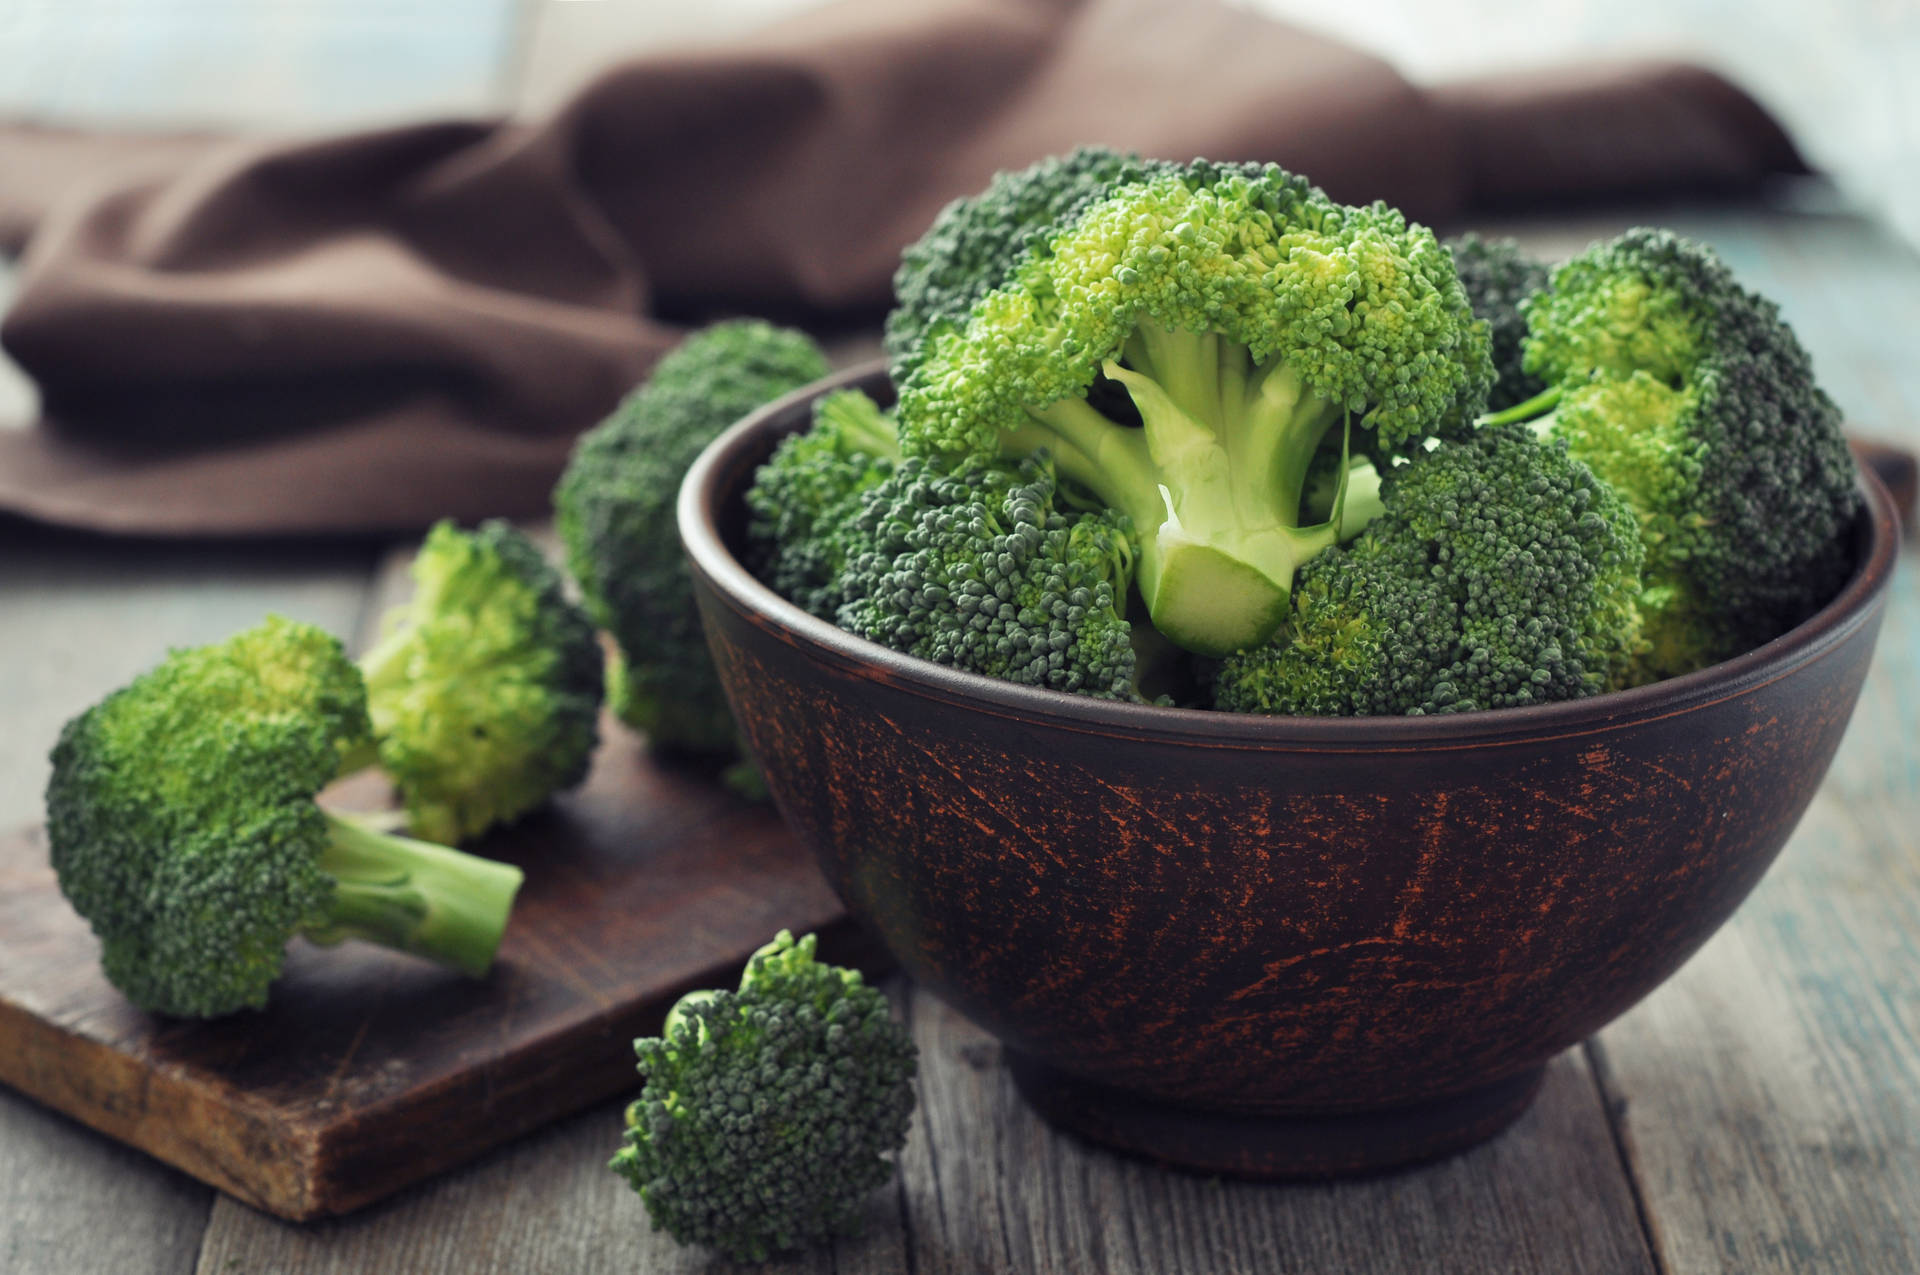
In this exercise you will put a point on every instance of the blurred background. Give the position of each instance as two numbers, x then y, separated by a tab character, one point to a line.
1842	75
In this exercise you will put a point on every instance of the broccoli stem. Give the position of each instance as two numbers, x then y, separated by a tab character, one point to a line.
1213	480
1545	401
413	896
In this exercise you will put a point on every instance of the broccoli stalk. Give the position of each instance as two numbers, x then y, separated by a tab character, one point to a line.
1214	478
1239	314
412	896
181	824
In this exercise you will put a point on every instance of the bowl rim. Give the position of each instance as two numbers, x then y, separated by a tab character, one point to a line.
698	511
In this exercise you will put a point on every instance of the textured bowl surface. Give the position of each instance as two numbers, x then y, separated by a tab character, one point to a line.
1273	945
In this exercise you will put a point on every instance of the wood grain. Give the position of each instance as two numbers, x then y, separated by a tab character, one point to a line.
1769	1095
369	1071
989	1187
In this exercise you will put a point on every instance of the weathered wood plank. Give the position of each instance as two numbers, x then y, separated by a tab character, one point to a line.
1769	1095
989	1187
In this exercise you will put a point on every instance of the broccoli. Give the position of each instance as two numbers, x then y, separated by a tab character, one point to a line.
615	507
182	826
1182	346
983	568
1498	275
805	499
1692	398
1501	572
485	692
966	251
767	1112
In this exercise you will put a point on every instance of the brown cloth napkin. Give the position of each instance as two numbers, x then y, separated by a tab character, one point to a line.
363	333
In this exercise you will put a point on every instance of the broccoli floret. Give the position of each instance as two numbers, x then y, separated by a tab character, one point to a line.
1690	396
805	499
1498	275
615	507
767	1112
1501	572
182	826
985	568
1182	347
485	692
982	569
972	245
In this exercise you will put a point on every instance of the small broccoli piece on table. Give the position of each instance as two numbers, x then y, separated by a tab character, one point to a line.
615	507
967	250
1183	345
1498	275
1690	396
1500	573
182	826
485	692
804	501
767	1112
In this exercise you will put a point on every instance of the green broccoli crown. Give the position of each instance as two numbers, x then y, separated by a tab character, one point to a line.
982	570
1183	346
1691	396
1498	275
485	693
1502	572
805	499
181	824
974	242
615	507
767	1112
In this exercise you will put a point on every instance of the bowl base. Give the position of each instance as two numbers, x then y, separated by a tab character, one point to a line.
1272	1146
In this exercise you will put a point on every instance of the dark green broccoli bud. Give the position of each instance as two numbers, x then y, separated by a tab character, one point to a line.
768	1112
972	245
1498	275
485	691
983	570
1690	396
1183	346
806	498
615	507
1501	572
182	826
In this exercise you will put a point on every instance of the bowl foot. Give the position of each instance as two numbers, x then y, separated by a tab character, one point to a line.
1272	1146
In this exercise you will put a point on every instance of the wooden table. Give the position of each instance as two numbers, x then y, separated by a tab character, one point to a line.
1761	1112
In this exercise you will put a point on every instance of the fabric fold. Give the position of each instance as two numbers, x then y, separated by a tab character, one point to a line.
227	333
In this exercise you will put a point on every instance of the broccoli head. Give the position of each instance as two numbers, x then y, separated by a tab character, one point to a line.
984	569
615	507
182	826
1182	345
485	692
974	242
766	1113
804	501
1692	397
1500	572
1498	275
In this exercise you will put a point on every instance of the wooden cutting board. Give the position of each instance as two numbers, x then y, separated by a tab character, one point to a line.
371	1070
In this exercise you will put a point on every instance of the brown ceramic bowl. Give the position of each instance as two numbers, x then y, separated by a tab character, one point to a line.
1273	946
